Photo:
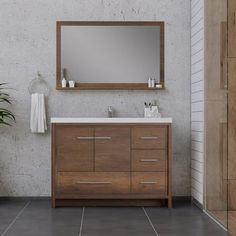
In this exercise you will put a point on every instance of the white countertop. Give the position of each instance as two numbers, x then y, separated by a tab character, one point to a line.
105	120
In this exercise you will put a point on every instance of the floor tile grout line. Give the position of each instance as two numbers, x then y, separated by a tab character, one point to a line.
150	221
15	219
81	222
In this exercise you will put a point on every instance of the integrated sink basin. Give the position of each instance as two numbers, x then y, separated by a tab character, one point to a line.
110	120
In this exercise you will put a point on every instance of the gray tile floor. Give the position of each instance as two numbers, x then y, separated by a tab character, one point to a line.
37	218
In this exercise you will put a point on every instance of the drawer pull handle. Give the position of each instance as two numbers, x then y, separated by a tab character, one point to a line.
93	182
102	138
149	138
85	138
148	182
148	160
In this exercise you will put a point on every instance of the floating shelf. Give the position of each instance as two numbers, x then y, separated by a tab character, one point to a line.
111	86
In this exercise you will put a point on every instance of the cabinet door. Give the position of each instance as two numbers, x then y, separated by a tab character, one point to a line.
74	148
231	28
112	149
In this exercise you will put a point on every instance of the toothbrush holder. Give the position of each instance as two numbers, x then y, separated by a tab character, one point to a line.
151	112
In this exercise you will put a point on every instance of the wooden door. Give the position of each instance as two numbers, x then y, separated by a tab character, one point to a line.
231	28
112	149
232	145
232	119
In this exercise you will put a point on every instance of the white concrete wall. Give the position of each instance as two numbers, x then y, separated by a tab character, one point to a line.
197	99
28	44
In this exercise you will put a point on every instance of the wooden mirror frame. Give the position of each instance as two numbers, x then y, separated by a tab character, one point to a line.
109	86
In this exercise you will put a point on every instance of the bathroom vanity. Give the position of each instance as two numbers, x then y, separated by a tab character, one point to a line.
111	161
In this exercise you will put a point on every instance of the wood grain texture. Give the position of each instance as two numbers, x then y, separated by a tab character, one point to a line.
224	55
53	167
79	183
80	159
74	154
232	195
155	201
110	86
169	167
149	182
112	154
67	136
149	160
231	222
232	119
215	107
231	28
120	196
224	149
71	184
149	138
58	55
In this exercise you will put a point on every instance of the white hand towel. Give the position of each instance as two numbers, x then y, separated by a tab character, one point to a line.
38	122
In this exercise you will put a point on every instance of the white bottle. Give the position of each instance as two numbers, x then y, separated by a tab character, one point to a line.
149	82
63	83
153	83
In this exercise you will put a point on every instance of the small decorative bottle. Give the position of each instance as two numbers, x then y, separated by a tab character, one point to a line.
153	83
64	81
149	82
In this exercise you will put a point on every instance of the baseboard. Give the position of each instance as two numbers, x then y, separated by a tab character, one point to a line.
175	198
8	198
181	198
29	198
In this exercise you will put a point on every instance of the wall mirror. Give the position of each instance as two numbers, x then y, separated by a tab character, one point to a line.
110	55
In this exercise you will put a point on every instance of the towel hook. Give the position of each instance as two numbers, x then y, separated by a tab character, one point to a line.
39	85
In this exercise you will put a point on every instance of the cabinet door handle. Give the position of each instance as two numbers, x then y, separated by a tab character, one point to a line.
103	138
148	160
149	138
94	182
148	182
85	138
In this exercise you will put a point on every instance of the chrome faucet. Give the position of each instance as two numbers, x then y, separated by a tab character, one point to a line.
110	111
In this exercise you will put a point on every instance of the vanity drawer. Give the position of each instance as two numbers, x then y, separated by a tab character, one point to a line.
149	160
79	183
149	137
149	182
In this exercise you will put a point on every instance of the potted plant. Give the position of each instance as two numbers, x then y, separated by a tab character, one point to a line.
6	116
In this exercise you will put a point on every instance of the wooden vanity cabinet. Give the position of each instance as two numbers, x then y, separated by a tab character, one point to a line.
111	164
